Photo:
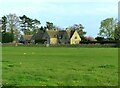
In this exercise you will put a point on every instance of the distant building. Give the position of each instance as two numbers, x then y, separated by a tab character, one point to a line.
53	37
26	39
62	37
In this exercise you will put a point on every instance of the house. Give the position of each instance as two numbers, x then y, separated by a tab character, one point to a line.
75	38
53	37
61	37
26	39
38	37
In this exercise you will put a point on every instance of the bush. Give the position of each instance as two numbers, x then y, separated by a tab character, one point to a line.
99	38
7	37
85	45
118	43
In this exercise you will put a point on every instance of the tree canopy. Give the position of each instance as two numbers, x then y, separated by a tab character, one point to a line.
29	25
79	28
12	25
107	28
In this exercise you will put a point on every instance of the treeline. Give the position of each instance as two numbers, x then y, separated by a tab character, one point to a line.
13	26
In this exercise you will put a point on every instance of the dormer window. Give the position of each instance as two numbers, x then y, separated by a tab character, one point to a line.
76	37
55	35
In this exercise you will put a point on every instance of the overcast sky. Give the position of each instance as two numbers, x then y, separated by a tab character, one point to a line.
64	13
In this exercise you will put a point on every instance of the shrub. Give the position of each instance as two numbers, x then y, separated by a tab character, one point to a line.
99	38
7	37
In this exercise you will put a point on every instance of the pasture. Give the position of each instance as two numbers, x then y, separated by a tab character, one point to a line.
59	66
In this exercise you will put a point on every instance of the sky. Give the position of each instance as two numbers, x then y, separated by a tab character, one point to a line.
64	13
119	11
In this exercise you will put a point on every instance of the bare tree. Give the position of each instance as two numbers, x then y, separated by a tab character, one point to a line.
13	25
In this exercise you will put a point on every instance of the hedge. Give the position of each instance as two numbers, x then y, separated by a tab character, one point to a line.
7	37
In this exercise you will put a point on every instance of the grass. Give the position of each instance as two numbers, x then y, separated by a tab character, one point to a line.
60	66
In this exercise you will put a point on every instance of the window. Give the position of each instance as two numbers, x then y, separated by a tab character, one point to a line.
76	42
76	37
55	35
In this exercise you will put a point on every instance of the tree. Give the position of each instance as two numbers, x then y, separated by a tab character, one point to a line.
107	28
4	23
49	25
79	28
117	32
35	26
99	38
13	22
25	23
42	29
13	25
58	28
28	25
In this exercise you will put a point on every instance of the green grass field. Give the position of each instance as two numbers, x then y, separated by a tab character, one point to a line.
60	66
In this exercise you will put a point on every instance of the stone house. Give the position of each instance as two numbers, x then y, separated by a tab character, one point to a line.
54	37
61	37
26	39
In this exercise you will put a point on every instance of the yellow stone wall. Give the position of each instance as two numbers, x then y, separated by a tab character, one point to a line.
75	39
53	40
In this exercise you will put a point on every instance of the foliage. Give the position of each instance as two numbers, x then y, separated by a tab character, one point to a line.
4	23
99	38
117	32
35	25
106	43
42	29
49	25
10	23
40	41
7	37
107	28
79	28
28	25
13	23
83	38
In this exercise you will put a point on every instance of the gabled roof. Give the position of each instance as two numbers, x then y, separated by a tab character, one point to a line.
61	33
56	34
70	33
27	37
52	33
38	35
